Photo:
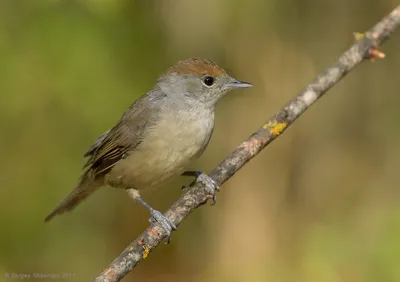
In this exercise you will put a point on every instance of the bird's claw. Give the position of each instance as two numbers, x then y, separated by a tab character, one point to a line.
165	223
211	186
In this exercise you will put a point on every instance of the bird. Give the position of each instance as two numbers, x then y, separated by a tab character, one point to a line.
157	137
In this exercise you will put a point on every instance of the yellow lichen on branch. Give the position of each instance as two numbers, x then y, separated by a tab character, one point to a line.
274	127
146	252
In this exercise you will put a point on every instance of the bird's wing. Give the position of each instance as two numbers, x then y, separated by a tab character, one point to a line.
113	145
96	144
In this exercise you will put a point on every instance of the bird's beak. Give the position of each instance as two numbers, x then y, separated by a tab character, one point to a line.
234	83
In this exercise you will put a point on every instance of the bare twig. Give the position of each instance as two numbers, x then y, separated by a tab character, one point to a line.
365	47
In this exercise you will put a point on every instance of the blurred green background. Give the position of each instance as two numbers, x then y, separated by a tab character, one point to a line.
320	204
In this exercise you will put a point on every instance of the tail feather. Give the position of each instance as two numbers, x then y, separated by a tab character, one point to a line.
86	186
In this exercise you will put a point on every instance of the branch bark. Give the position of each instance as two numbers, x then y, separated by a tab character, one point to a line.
363	48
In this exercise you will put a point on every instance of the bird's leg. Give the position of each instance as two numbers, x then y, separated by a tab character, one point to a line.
156	216
211	186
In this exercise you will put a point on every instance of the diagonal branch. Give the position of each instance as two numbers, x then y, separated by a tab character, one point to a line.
364	48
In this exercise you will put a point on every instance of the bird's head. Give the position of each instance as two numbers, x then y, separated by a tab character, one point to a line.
199	79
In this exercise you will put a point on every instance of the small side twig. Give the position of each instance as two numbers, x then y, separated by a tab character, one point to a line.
364	48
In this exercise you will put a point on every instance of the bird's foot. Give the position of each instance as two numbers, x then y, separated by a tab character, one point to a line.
210	184
165	222
156	216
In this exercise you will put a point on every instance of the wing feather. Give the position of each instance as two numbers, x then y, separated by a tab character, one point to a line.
114	144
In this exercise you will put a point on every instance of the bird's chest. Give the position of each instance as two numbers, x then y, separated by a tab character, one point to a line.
167	148
179	138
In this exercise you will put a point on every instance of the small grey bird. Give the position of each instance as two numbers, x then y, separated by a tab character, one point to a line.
157	137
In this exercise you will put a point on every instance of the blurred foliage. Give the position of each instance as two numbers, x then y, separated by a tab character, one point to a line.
320	204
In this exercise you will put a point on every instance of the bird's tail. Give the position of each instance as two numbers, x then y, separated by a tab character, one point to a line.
86	186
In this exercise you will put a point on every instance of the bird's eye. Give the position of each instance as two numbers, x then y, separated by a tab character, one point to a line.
208	80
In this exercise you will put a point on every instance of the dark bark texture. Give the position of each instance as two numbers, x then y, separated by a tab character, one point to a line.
365	47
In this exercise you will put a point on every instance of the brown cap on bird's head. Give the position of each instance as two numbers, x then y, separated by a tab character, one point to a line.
201	78
196	66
